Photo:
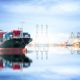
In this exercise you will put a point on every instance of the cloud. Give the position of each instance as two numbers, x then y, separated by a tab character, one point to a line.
53	9
23	8
59	13
68	7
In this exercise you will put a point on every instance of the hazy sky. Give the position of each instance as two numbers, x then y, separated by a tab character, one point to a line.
60	15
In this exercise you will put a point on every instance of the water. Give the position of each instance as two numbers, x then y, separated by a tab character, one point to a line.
60	65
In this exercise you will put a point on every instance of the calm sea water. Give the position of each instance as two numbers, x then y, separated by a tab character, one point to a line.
60	65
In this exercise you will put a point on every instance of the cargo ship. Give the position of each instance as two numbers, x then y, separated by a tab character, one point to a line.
12	49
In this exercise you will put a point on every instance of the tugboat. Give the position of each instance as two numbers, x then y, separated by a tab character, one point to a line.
12	49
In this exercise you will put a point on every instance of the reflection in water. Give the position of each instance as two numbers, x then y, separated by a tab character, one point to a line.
60	66
54	74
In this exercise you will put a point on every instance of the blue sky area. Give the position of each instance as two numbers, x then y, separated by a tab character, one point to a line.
59	15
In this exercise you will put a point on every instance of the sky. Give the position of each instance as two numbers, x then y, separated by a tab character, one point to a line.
59	15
